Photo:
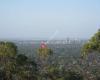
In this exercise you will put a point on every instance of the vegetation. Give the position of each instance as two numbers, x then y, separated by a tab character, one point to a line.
7	49
51	62
15	66
93	45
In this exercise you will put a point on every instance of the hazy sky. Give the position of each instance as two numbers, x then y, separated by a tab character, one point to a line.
44	19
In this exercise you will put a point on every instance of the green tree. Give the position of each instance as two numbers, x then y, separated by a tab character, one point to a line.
21	59
15	66
43	57
8	49
72	75
26	71
93	45
44	52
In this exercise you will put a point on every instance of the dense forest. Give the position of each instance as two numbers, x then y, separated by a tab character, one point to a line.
21	60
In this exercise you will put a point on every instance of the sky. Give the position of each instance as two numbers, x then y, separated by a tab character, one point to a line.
49	19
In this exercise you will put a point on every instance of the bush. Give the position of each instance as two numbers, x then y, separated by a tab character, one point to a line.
72	75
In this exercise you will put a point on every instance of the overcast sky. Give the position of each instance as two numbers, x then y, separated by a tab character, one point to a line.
44	19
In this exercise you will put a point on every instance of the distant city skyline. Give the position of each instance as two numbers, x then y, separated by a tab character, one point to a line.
49	19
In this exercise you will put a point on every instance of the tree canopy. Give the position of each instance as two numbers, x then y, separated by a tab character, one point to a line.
93	45
8	49
44	52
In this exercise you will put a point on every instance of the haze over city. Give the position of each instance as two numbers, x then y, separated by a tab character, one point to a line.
44	19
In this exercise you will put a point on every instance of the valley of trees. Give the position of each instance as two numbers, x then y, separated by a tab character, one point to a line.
51	62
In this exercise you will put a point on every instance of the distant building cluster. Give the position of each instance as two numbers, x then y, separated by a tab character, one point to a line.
67	41
63	41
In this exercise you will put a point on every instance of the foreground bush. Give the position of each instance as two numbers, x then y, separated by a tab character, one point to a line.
15	66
